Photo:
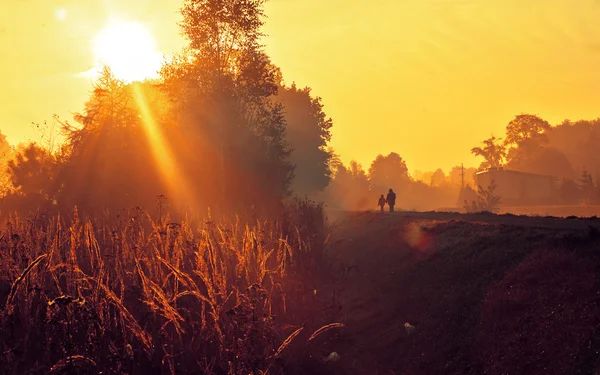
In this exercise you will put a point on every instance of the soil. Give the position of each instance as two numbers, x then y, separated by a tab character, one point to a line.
446	293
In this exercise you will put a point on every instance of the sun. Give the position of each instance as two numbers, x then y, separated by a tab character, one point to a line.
128	48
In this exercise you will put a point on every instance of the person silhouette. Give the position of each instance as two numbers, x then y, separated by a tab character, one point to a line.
381	202
391	200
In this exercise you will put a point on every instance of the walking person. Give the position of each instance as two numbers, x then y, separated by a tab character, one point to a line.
381	202
391	200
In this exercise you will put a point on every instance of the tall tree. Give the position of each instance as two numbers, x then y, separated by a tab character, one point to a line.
578	141
524	127
234	134
387	172
525	139
438	178
308	133
586	187
32	173
349	187
107	161
493	153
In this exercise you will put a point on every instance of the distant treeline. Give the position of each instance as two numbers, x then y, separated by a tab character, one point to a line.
568	151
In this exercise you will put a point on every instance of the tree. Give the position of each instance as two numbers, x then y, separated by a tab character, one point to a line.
578	141
308	133
586	187
493	153
6	154
438	178
349	187
107	161
222	86
525	127
32	174
569	192
545	160
387	172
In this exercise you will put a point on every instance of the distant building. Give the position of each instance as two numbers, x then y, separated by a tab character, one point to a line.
520	188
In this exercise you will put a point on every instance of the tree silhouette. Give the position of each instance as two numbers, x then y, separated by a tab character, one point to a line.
586	187
6	154
32	173
578	141
349	186
387	172
493	153
525	139
107	162
308	133
545	160
525	127
438	178
222	87
569	192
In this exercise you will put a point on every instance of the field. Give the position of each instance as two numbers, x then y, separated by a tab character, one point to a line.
403	293
138	296
481	293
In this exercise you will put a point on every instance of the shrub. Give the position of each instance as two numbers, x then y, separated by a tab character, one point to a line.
487	200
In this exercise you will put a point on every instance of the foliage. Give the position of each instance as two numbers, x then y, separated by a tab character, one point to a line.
32	171
438	178
569	192
493	153
387	172
587	187
525	127
107	162
222	88
308	133
577	141
210	133
487	200
545	160
349	188
139	296
529	150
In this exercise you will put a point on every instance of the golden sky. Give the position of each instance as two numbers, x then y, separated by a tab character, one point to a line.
428	79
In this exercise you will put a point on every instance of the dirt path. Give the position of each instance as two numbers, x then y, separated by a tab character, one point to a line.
342	218
435	271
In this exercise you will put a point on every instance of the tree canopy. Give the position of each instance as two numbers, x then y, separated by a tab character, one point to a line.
493	153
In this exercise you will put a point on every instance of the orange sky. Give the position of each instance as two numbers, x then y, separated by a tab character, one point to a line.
428	79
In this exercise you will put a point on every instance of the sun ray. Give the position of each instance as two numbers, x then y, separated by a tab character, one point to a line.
170	172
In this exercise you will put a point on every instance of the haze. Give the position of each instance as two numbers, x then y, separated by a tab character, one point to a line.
427	79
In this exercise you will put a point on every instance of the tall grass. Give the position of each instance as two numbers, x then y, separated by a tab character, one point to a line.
140	296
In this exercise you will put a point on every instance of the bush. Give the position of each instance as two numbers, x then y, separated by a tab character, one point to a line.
487	200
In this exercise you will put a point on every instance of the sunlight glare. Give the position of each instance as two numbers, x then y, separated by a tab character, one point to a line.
128	48
163	154
61	14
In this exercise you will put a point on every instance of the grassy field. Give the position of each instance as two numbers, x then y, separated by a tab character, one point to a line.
482	294
137	296
403	293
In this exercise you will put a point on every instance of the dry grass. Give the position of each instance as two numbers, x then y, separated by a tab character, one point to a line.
137	296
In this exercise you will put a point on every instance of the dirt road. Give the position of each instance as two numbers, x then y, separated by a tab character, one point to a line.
485	294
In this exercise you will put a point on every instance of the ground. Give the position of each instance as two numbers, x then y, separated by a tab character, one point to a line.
486	294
